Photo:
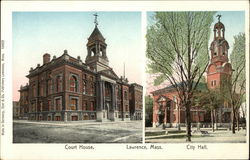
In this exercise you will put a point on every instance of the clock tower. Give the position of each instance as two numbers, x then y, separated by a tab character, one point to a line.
219	69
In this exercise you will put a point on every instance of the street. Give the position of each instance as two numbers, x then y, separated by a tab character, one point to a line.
77	132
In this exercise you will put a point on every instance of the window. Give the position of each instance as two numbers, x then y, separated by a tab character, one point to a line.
34	90
34	107
58	118
84	87
73	104
126	108
92	106
213	83
215	54
49	105
126	95
49	87
107	90
73	84
58	84
84	105
85	76
92	89
41	106
58	104
41	89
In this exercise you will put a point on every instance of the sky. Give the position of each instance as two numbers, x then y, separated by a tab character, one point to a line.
36	33
234	22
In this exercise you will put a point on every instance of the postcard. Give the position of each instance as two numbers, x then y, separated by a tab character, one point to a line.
125	80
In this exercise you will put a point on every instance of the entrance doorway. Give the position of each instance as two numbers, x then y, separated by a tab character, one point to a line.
168	111
161	118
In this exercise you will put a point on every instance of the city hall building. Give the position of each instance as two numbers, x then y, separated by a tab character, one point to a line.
67	89
166	110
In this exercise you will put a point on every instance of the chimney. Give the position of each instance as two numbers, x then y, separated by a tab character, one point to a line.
46	58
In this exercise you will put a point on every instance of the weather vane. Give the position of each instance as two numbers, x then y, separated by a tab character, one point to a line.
219	15
96	22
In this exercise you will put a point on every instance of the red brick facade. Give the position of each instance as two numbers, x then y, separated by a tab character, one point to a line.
135	101
66	89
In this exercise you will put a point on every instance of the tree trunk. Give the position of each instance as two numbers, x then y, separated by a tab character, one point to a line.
215	120
212	120
233	121
188	123
198	121
238	123
179	118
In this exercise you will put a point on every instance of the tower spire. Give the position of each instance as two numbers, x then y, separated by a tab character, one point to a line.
96	22
219	16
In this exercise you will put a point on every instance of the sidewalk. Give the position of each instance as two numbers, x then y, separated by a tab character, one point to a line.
219	136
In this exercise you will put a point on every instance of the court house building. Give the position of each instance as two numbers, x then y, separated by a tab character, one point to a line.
67	89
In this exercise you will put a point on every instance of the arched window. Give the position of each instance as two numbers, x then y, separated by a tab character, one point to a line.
73	84
84	87
58	84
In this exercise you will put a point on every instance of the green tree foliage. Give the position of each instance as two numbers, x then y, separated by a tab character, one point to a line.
235	88
210	100
177	49
148	111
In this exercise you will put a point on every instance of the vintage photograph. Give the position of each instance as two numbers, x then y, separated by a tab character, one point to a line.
77	77
196	77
